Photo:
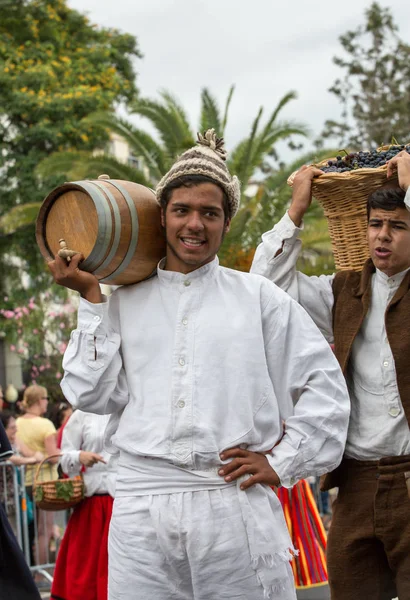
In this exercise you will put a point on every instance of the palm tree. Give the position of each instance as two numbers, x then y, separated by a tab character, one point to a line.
174	136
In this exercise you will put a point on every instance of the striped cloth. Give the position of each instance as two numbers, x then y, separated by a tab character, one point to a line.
307	533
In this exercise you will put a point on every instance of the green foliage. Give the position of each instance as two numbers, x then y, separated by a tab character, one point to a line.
55	68
19	216
39	493
64	490
265	207
375	89
251	154
170	122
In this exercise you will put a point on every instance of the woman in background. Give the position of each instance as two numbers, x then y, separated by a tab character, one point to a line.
22	455
39	434
81	571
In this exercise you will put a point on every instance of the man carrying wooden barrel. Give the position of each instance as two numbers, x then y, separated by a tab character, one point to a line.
367	317
200	366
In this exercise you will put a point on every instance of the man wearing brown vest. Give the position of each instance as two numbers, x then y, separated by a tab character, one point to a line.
367	317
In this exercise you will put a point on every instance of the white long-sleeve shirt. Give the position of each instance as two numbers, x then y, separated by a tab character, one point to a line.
85	431
194	364
378	426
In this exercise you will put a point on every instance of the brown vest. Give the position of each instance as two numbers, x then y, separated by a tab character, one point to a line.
352	294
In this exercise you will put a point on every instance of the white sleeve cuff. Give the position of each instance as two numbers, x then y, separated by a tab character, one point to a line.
282	459
90	315
284	231
288	227
70	462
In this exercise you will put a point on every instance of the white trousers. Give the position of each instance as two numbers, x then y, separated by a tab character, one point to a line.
183	546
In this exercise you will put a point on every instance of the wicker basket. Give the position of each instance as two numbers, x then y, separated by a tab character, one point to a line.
58	494
344	200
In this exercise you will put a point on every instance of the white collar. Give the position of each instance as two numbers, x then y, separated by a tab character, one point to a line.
174	277
393	281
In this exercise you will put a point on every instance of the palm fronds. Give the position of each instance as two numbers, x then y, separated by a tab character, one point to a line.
226	110
83	165
210	116
18	217
141	144
169	120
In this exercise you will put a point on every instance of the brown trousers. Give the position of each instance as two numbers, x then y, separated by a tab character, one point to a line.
368	549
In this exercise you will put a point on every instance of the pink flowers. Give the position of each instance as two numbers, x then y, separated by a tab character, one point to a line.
7	314
37	331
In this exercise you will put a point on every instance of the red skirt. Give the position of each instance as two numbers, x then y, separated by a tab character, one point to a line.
307	533
81	571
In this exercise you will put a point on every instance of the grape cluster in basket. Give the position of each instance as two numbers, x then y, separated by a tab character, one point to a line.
362	160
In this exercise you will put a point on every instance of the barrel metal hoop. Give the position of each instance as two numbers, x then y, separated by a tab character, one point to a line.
117	228
104	227
134	232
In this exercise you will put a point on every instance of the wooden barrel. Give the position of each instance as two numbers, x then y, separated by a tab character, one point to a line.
115	224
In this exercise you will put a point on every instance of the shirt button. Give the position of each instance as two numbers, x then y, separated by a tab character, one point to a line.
96	318
187	283
181	362
385	363
394	411
181	404
185	321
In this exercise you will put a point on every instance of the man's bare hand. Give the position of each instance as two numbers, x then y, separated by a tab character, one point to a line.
245	462
400	164
71	276
302	193
88	459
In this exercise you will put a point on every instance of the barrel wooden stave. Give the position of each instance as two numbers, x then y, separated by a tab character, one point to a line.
115	224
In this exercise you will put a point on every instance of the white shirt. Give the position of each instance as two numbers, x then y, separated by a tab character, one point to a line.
194	364
85	431
378	426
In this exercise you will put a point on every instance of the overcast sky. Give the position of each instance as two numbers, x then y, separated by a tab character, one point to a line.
264	47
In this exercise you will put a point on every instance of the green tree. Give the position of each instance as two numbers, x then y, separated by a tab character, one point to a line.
55	68
375	89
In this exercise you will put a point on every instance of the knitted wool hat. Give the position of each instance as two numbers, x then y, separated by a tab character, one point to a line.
206	158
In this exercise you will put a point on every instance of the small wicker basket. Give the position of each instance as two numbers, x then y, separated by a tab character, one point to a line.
59	494
344	200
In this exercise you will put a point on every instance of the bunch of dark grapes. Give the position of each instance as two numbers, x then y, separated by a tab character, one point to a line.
362	160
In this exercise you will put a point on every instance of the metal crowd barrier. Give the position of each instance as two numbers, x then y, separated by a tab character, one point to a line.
25	522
